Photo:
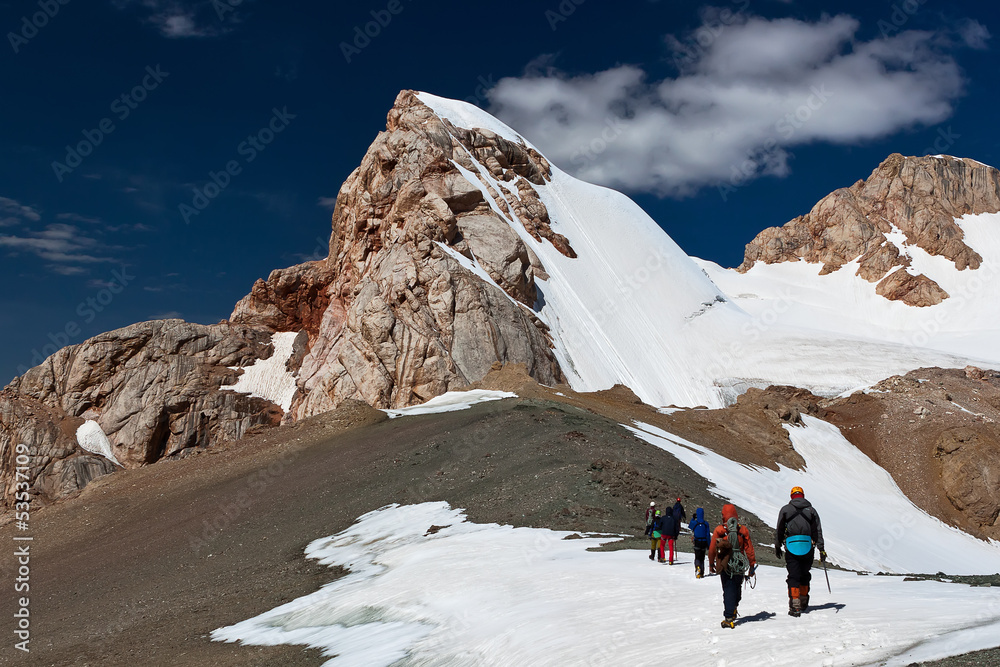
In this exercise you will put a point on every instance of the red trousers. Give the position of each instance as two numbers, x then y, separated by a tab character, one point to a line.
671	541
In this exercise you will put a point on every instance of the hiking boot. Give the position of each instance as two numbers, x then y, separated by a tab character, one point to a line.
661	560
729	622
804	596
651	557
794	607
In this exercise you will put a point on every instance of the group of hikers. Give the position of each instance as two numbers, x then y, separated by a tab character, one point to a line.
730	550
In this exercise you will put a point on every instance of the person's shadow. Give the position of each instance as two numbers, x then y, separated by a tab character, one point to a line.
829	605
759	616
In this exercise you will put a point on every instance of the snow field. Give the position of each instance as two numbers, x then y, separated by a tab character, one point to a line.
868	523
966	324
450	402
634	309
485	594
269	378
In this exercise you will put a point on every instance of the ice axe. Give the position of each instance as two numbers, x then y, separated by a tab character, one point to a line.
823	561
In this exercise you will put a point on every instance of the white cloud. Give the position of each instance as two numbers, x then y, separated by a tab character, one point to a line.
742	99
180	19
974	34
13	212
59	244
327	202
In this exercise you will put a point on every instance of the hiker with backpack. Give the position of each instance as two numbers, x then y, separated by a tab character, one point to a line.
656	535
701	537
650	514
800	532
731	554
679	514
671	529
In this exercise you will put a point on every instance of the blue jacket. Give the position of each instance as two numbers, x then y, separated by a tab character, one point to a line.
700	529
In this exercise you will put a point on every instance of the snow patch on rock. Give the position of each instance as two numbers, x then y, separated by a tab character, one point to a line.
91	436
269	378
450	402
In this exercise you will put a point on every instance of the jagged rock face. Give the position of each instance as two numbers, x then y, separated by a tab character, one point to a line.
403	320
921	197
290	299
153	387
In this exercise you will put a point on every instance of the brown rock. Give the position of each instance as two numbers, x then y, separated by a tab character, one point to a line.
936	432
153	387
919	196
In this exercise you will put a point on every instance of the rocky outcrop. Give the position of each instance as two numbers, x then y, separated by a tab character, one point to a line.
397	313
937	432
911	198
154	389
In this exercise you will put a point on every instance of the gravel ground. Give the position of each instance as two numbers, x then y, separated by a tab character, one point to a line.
139	568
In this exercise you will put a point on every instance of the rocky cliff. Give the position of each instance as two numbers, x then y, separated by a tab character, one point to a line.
425	288
153	388
907	201
394	314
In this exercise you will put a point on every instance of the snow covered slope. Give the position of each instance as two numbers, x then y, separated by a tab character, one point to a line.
868	523
633	308
967	323
416	598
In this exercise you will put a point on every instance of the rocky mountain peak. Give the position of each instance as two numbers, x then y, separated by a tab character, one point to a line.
905	202
397	313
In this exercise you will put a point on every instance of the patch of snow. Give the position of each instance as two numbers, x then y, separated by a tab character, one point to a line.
669	411
414	597
269	378
868	522
450	402
91	436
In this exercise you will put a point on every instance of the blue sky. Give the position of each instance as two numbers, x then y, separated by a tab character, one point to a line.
719	120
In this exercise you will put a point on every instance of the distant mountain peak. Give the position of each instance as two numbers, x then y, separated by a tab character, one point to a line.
906	202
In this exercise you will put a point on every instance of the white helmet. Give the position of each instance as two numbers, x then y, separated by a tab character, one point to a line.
652	503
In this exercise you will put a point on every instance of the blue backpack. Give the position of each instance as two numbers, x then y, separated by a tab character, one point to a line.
700	530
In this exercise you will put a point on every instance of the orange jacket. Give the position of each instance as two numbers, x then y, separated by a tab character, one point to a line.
728	512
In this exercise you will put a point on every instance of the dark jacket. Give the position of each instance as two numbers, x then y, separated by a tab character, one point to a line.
699	520
670	528
799	517
679	514
657	526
